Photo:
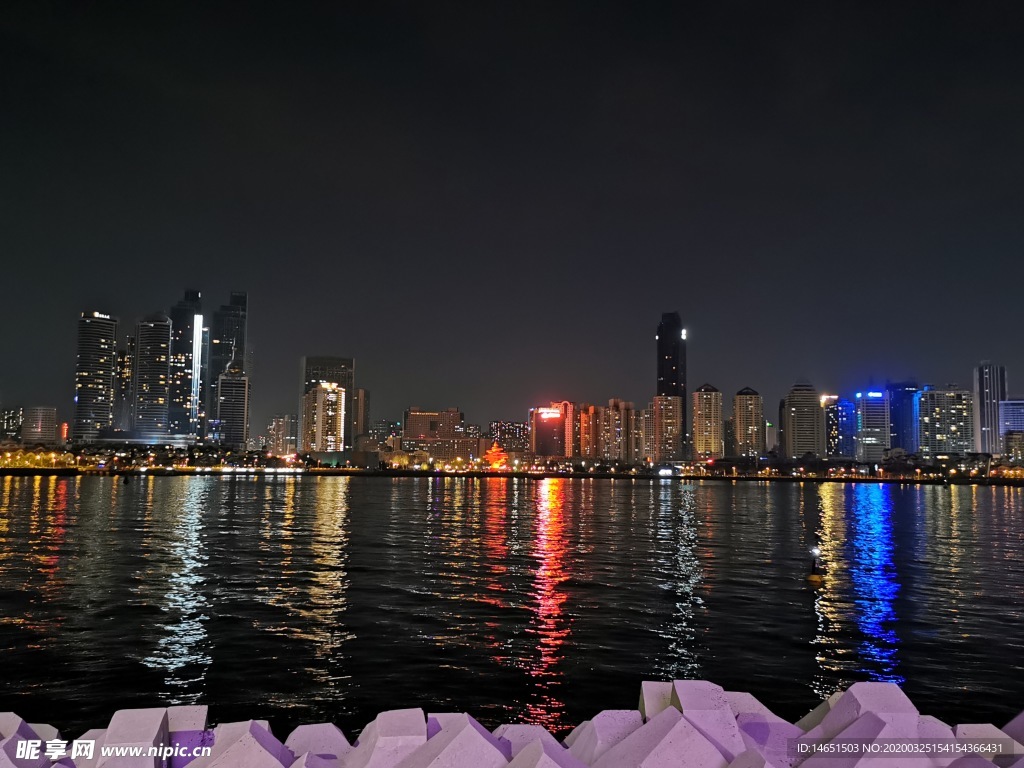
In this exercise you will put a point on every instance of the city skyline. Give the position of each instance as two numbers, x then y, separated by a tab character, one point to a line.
810	194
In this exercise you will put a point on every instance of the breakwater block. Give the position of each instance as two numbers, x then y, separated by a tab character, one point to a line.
131	728
679	724
655	697
520	735
389	739
604	731
707	709
324	740
542	754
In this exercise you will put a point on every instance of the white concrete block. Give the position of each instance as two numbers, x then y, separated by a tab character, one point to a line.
883	699
388	739
543	754
187	718
309	760
447	720
655	697
129	728
322	739
458	745
603	732
816	715
574	734
667	740
705	705
741	702
1004	745
751	759
520	735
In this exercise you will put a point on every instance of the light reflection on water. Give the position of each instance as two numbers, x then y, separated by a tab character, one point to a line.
307	599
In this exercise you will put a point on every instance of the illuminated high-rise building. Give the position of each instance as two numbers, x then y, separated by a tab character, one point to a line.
329	369
323	418
226	340
185	383
873	426
668	421
748	422
1011	419
360	412
547	431
95	375
707	423
39	426
591	418
903	416
989	391
512	436
124	387
671	339
151	375
946	421
803	422
233	407
618	424
282	435
840	426
11	420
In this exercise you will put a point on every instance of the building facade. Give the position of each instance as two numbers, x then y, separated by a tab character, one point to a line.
946	421
708	442
873	426
989	391
803	422
668	422
748	422
323	419
151	373
95	376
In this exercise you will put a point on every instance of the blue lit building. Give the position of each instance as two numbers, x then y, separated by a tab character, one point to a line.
873	426
903	415
840	426
1011	420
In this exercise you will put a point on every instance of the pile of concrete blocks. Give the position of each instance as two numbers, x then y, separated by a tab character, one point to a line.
680	724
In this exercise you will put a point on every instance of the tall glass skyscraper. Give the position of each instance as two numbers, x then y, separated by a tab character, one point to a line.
151	376
903	416
671	340
95	372
186	365
227	340
989	391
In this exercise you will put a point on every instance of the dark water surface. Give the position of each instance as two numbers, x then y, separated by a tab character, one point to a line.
310	599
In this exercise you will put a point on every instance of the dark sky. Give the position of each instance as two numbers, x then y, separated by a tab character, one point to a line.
489	205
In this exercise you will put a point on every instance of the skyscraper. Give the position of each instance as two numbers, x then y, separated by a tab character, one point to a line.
39	426
282	435
233	407
185	385
748	422
671	340
511	435
989	391
707	423
803	422
151	374
873	426
124	387
227	339
95	375
668	421
321	369
1011	420
946	421
323	418
840	426
618	441
360	423
903	415
547	431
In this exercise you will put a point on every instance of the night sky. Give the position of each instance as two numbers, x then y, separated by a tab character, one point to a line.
489	205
